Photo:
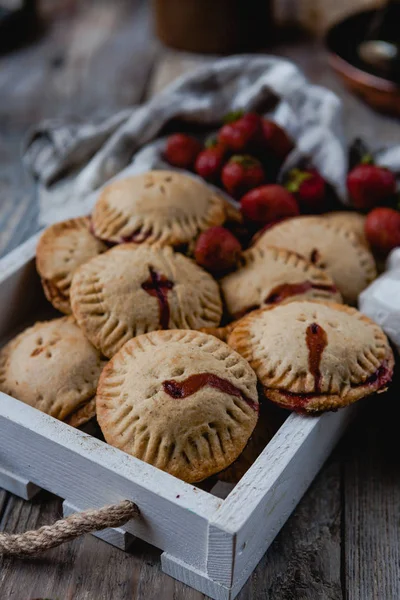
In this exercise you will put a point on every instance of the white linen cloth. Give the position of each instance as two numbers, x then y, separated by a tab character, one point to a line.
71	161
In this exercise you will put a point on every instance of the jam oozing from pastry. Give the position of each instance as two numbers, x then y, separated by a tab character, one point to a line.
158	286
194	383
379	379
285	290
316	340
295	401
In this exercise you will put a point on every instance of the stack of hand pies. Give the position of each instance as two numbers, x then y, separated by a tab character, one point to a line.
173	362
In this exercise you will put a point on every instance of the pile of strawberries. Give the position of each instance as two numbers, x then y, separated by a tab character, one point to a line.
244	158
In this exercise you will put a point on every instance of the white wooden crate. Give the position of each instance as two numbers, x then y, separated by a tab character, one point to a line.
212	544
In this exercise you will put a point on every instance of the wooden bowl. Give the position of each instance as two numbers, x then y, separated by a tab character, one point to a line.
377	89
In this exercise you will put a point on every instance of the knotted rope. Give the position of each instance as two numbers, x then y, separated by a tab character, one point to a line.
50	536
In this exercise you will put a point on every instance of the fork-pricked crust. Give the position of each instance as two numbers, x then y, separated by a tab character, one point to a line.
269	275
182	401
128	291
53	367
312	356
157	207
329	246
350	219
61	249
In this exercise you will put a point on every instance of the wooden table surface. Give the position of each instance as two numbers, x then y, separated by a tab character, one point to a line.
342	542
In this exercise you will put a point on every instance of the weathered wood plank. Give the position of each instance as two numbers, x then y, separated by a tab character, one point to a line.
372	504
94	57
304	561
84	569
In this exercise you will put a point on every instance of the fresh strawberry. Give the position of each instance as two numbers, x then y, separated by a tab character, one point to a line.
370	186
217	250
268	203
382	229
241	174
209	163
276	140
309	189
243	134
182	150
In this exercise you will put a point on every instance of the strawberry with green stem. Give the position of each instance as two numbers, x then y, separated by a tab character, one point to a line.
242	173
309	189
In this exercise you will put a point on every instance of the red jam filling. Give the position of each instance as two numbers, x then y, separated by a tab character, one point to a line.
189	386
286	290
382	376
158	286
316	340
379	379
281	292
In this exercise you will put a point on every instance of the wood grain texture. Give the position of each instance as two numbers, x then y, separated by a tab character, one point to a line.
342	541
268	493
89	473
303	562
92	58
372	503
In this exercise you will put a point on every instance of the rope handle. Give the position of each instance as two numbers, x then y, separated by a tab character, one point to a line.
50	536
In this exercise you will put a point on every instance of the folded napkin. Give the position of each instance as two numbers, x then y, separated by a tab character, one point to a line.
72	161
381	300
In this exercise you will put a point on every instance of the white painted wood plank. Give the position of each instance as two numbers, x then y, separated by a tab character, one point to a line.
195	578
221	555
18	485
265	497
20	291
116	536
18	258
90	473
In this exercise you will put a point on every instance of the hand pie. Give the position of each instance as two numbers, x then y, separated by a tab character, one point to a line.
53	367
269	275
328	246
182	401
157	207
61	249
311	356
128	291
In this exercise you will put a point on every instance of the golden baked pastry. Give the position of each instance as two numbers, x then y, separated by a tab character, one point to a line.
350	219
182	401
269	275
221	333
128	291
312	356
328	246
53	367
157	207
61	249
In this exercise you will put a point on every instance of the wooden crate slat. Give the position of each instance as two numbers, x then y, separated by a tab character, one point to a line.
18	485
268	493
89	472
